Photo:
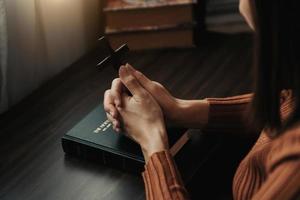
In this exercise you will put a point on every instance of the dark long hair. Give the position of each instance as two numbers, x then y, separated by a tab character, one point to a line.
277	60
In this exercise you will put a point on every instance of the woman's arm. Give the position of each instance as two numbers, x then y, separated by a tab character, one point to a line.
161	177
213	114
216	115
190	113
229	115
143	121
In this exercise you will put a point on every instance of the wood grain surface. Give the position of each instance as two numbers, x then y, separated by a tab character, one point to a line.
32	163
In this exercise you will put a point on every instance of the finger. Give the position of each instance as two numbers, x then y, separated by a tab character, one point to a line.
111	109
131	67
113	120
143	80
116	90
130	81
115	123
109	105
110	118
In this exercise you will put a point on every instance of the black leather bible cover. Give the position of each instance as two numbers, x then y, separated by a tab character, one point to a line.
94	139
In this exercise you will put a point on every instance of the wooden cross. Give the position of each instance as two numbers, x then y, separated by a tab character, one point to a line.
116	57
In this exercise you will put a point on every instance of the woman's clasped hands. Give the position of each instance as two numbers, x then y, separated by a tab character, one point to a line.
132	109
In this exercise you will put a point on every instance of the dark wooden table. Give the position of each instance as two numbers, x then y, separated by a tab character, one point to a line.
32	163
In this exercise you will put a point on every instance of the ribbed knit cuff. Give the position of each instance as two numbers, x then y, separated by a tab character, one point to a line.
227	114
162	179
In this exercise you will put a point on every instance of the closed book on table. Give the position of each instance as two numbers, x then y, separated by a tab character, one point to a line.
94	139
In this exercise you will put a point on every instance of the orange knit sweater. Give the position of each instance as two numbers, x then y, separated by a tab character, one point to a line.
271	170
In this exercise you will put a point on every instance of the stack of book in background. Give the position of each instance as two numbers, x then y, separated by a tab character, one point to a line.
154	24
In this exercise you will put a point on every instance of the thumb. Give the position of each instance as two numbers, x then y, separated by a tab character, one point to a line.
125	98
130	81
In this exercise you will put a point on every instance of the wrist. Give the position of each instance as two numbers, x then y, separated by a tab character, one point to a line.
147	153
157	143
180	112
191	113
176	112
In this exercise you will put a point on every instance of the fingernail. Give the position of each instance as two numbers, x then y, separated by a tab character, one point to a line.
118	130
130	68
122	68
123	71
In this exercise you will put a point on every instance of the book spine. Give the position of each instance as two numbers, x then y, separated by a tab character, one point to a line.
102	157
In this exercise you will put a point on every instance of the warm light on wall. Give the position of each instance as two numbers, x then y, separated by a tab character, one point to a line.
46	36
56	1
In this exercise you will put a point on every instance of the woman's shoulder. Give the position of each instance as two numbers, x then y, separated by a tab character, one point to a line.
288	138
284	148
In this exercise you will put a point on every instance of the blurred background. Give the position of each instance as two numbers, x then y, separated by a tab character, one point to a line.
40	38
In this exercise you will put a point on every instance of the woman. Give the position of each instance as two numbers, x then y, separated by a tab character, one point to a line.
271	170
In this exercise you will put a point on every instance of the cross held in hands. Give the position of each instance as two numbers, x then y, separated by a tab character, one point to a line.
116	58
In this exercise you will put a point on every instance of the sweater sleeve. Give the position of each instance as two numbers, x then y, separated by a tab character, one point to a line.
228	114
283	169
162	179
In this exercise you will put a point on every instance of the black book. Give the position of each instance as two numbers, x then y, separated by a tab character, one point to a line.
94	139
